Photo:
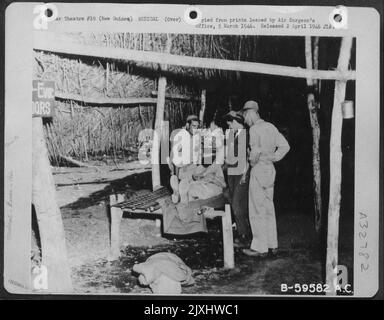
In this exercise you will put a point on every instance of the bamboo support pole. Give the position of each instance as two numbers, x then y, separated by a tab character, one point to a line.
51	229
230	103
116	217
313	116
63	47
308	57
119	101
203	104
316	60
335	170
101	100
229	256
160	108
162	84
174	96
164	142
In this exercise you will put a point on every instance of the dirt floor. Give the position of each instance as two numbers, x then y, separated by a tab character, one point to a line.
83	194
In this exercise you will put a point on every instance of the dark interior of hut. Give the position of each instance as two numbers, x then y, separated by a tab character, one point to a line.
283	102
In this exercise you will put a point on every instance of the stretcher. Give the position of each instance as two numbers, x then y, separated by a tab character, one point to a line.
147	206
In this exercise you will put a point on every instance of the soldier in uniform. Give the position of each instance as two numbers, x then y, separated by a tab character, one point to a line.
238	181
267	145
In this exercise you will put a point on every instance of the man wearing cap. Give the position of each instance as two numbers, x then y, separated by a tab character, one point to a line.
267	145
238	179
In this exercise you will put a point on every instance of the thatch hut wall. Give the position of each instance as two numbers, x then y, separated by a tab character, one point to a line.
85	131
82	130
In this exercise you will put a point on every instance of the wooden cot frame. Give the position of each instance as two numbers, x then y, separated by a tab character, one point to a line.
117	214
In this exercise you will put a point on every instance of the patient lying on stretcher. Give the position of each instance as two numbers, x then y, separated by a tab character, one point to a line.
196	182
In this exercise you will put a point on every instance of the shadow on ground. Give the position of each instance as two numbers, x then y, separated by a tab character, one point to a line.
296	262
299	259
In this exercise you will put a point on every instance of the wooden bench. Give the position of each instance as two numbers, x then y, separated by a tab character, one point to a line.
117	213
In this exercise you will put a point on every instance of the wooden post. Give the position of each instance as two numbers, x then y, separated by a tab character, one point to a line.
335	170
41	43
158	134
229	260
162	83
51	229
116	217
203	105
160	107
173	96
313	116
316	61
156	181
230	107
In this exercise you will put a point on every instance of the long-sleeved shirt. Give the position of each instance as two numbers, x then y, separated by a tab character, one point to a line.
266	143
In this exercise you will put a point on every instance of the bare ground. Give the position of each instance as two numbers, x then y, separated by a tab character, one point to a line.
82	195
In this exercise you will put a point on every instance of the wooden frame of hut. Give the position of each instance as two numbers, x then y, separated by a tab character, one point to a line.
165	59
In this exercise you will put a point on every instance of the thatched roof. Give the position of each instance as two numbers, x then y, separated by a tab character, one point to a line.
89	120
226	47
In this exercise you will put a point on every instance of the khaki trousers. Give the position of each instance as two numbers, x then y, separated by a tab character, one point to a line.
261	208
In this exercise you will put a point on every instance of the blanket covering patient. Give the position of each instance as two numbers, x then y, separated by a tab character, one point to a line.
196	182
